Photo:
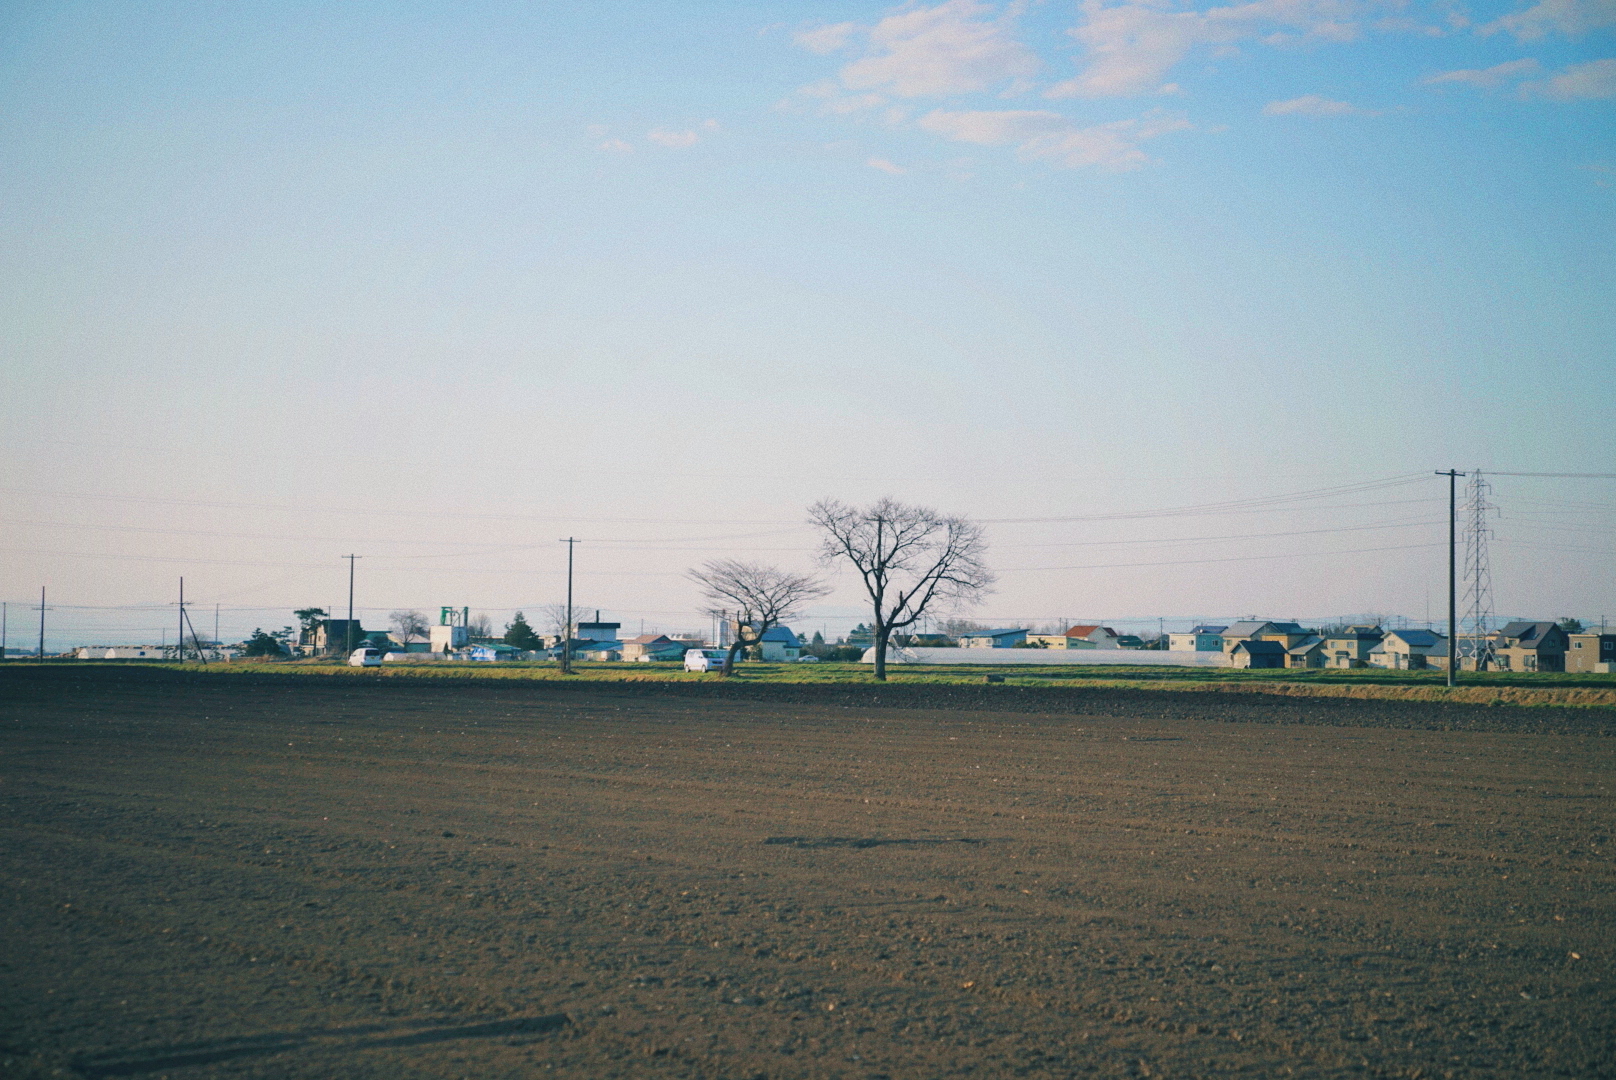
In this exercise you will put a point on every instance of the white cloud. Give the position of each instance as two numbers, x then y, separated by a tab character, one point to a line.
676	140
1040	135
886	166
1485	78
1311	105
1569	17
1579	82
825	39
1132	45
956	47
616	146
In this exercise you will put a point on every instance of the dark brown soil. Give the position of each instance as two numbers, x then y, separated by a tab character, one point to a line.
298	877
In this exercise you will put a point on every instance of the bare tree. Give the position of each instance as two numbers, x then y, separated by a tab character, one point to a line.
909	558
408	625
479	627
755	598
556	617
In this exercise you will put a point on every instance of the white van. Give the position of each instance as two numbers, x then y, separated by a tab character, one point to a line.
705	659
365	657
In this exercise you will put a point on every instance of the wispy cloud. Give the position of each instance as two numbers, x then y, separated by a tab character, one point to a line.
616	146
1132	46
1040	135
957	47
1313	105
1595	80
1572	18
676	140
826	39
1485	78
886	166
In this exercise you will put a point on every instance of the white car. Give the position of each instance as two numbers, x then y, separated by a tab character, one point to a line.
704	659
806	658
365	657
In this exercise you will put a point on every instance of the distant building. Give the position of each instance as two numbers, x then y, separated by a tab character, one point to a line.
779	644
1408	650
330	636
1091	637
992	639
861	636
1591	652
1203	638
1307	653
1531	646
1251	653
598	631
1131	641
649	647
1350	648
442	639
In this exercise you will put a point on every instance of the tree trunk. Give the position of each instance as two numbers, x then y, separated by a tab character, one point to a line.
882	636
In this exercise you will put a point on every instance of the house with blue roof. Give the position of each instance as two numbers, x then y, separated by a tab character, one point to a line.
992	639
780	644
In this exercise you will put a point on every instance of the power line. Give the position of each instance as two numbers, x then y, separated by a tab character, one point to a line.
1240	558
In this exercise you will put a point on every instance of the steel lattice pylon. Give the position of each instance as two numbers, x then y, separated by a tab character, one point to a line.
1475	645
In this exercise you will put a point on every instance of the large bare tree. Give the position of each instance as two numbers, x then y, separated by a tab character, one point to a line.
755	598
910	559
408	625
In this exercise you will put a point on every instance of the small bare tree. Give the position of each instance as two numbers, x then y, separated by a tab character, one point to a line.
556	617
909	559
408	625
754	597
480	626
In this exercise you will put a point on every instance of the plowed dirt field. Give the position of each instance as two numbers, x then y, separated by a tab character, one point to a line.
299	877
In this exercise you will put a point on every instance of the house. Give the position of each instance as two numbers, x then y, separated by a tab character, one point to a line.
597	650
598	631
1251	653
992	639
1591	652
1408	650
1091	636
330	636
649	647
1531	646
1203	638
779	644
1131	641
860	636
1307	653
1036	641
1286	633
1349	648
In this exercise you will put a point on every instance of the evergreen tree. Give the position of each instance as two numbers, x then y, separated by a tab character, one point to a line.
262	644
520	635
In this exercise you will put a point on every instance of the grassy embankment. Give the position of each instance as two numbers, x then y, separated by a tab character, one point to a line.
1487	688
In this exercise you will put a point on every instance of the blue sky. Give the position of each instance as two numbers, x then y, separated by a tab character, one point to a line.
444	282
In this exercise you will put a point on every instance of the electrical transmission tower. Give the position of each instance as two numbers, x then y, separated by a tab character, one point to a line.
1477	646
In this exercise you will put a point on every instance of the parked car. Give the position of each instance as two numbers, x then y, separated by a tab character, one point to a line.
365	657
704	659
806	659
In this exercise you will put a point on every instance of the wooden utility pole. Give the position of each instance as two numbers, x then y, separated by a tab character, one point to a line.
41	653
348	651
566	639
1453	573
